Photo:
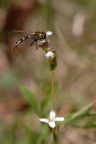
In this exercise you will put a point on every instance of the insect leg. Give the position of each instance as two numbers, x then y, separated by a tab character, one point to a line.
33	43
37	46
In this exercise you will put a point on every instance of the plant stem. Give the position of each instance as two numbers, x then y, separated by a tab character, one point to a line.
55	138
52	85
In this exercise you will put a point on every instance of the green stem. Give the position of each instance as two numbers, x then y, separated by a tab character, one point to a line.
55	138
52	85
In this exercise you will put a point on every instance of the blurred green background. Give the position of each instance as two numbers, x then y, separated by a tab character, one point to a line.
73	23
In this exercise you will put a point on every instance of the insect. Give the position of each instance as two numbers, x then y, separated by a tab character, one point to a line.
36	37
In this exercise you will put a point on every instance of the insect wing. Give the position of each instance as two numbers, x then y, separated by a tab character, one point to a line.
20	31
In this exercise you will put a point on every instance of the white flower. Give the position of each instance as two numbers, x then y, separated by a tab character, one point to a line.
48	33
52	119
49	54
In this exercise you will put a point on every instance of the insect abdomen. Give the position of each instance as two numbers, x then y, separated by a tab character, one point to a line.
21	40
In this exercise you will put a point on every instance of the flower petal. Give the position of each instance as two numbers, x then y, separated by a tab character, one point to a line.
52	124
59	119
48	33
44	120
52	115
49	54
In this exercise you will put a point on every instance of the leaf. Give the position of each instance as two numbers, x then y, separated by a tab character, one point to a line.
90	124
30	98
85	112
43	135
46	102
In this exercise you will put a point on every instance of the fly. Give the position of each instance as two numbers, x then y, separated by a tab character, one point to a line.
36	38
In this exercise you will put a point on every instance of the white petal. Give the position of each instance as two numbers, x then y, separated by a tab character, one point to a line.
44	120
52	115
48	33
59	119
52	124
50	54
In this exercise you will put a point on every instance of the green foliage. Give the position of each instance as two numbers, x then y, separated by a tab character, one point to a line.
45	102
84	46
78	119
47	96
30	98
90	124
82	118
